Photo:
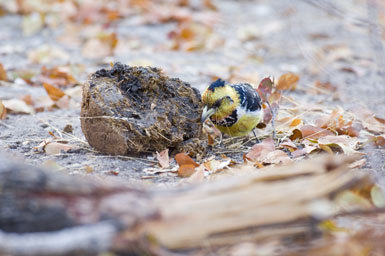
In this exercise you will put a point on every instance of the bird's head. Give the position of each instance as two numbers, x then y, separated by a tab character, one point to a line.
219	99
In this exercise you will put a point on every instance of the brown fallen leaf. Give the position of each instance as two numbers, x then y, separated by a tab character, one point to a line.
186	165
259	151
369	121
277	157
163	159
186	170
265	88
3	73
287	81
3	110
313	132
57	76
336	121
304	151
183	159
54	93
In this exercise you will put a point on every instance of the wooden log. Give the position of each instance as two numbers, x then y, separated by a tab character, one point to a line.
71	213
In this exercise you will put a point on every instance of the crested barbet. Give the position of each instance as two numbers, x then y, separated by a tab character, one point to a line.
235	109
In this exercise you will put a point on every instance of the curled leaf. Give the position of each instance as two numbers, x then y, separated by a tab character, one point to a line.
216	165
186	165
54	93
378	197
183	159
265	88
163	159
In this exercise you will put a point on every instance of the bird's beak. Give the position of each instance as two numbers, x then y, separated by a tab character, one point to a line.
206	113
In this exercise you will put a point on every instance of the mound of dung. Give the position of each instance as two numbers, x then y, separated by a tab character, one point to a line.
129	110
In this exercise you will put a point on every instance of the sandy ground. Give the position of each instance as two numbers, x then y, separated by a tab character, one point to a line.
289	36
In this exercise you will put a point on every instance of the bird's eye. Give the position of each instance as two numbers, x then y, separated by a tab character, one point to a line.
228	98
217	103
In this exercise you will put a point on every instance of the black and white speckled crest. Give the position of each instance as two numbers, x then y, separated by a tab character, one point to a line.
249	98
228	121
218	83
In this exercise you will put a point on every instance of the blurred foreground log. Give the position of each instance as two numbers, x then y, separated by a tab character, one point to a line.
48	213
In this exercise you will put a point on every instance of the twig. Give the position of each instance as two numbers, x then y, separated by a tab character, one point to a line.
272	119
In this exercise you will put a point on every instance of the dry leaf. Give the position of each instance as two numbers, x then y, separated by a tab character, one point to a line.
16	106
295	122
57	76
287	81
47	54
192	36
259	151
265	88
209	4
94	48
183	159
289	144
313	132
53	148
186	165
351	201
43	103
277	157
368	120
198	175
186	170
346	144
377	196
379	141
3	110
3	73
357	164
63	102
89	169
337	122
163	159
216	165
54	93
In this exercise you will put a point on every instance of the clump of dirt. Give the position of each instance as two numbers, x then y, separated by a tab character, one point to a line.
130	110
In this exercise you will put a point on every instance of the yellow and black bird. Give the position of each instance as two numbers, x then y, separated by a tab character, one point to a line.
235	109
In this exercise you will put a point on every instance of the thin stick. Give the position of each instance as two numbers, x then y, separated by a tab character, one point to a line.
272	119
